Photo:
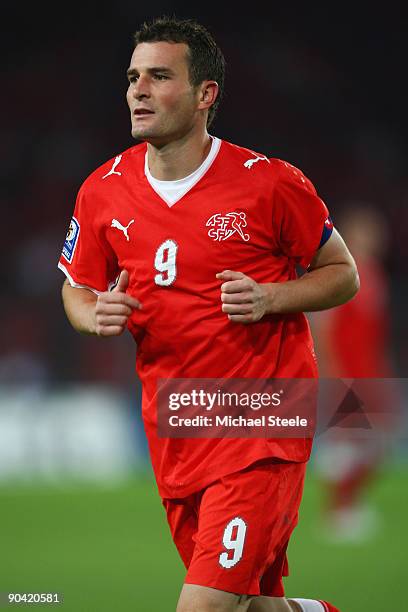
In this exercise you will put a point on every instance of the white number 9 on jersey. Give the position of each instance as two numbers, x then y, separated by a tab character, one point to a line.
233	539
165	263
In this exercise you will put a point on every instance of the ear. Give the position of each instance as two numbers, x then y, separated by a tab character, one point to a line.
208	92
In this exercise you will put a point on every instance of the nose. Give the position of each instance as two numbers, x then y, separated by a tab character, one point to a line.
140	88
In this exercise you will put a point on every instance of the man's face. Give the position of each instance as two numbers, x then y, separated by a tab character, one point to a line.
162	101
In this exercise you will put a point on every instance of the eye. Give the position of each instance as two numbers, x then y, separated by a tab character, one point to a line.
132	79
161	77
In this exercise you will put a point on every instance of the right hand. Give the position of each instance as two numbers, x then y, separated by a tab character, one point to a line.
113	308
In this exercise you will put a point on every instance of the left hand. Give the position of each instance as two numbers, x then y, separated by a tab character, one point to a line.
243	299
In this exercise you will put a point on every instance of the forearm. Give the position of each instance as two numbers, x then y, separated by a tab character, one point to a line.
319	289
79	305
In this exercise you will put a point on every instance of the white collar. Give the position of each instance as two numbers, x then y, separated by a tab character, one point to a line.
172	191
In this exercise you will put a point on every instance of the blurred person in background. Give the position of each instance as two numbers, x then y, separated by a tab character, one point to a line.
353	341
191	243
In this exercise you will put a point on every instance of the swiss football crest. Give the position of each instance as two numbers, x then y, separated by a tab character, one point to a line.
223	226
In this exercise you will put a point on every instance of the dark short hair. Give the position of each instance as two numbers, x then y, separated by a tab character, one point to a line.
206	61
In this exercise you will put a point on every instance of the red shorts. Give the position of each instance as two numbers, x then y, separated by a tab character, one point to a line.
233	534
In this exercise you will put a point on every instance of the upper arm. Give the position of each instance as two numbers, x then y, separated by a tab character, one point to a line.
334	251
77	295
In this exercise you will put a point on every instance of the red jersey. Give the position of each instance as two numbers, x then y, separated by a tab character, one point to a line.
247	213
358	332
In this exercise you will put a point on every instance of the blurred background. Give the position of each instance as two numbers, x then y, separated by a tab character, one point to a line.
321	86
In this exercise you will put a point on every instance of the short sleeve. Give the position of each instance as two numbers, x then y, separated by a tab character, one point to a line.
300	218
87	259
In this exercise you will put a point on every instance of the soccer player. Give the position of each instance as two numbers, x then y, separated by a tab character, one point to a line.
353	341
192	244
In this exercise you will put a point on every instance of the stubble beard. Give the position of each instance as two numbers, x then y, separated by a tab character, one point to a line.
140	132
162	133
158	135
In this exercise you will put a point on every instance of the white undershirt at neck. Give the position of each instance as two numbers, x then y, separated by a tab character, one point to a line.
172	191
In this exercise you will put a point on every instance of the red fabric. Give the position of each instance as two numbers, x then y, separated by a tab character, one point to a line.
181	331
346	492
266	499
359	329
329	607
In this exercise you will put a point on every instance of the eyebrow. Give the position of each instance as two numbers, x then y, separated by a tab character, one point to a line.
152	70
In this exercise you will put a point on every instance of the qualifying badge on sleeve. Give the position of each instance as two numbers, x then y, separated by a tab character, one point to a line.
71	240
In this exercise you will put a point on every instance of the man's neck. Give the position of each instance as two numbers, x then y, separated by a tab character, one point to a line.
179	158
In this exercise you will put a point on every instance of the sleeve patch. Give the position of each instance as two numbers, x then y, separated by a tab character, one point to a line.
327	232
71	240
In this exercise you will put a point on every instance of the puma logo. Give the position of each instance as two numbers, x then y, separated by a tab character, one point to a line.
119	226
112	170
250	162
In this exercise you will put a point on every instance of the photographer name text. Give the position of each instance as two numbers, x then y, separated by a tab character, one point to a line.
237	421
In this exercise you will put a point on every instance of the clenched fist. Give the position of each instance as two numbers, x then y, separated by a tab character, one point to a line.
113	308
243	299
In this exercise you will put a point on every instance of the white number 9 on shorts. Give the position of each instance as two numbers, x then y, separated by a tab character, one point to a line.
233	539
